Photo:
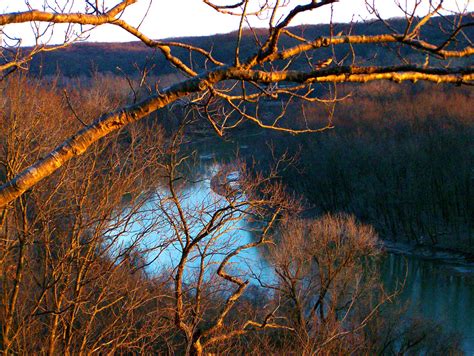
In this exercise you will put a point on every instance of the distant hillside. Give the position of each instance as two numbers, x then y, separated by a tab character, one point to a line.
83	58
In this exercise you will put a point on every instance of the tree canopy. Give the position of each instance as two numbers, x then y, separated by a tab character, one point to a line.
284	63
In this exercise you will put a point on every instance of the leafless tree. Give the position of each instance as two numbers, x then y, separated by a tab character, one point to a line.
69	278
75	252
83	256
240	84
62	280
207	234
326	282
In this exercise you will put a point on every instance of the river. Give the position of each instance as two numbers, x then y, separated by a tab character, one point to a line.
433	289
437	290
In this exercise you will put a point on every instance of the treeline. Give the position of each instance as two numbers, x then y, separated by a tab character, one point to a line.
84	59
74	267
400	158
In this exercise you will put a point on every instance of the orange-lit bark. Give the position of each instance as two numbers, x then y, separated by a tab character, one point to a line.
251	71
77	144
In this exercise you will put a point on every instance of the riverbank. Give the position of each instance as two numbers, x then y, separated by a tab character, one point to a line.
438	285
459	261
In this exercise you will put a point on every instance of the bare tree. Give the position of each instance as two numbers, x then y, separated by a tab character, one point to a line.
79	252
76	252
238	85
207	235
60	278
326	282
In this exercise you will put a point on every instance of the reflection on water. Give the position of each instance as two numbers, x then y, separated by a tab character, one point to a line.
161	246
435	290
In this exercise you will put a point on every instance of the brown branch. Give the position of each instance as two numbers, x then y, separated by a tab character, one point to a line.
241	286
271	44
273	126
77	144
76	18
453	36
19	62
356	74
363	39
109	17
227	9
221	7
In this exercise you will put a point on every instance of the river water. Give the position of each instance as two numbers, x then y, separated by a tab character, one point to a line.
433	289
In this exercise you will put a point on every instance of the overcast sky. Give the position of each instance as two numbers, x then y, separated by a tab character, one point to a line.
176	18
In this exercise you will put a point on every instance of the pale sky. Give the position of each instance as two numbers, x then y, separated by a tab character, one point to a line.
177	18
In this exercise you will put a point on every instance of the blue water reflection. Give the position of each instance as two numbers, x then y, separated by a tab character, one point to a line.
433	289
158	232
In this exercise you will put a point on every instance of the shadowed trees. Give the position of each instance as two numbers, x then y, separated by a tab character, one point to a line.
82	265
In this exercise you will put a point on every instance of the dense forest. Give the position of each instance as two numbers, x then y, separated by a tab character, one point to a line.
400	158
250	214
82	287
400	143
